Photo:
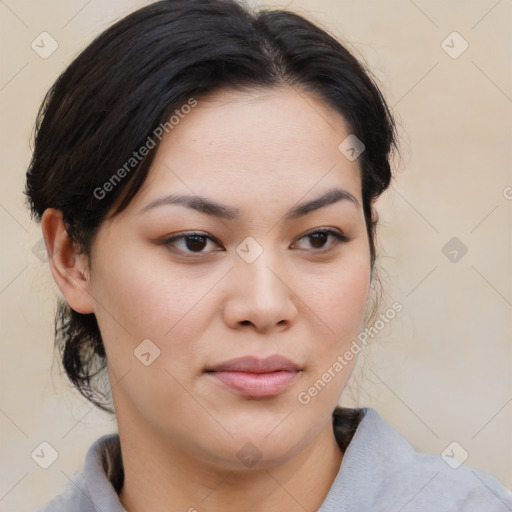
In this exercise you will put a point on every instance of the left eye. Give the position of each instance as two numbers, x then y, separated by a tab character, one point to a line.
194	243
319	238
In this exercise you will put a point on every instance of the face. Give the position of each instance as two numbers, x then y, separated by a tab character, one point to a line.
179	290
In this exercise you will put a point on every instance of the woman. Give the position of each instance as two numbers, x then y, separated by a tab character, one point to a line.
205	178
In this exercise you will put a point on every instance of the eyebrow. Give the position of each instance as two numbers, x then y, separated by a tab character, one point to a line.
210	207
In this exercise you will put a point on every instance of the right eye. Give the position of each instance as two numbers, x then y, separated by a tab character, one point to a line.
191	243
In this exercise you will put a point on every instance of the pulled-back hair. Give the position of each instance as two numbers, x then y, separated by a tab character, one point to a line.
134	77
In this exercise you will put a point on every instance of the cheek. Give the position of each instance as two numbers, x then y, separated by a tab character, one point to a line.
166	303
156	302
340	294
140	298
339	303
143	295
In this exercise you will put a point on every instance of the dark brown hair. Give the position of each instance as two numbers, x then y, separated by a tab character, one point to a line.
134	76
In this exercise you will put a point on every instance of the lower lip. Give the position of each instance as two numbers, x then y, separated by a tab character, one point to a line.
257	385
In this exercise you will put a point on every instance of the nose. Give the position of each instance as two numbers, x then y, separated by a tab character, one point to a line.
260	296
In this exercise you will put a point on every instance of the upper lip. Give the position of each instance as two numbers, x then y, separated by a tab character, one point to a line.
252	364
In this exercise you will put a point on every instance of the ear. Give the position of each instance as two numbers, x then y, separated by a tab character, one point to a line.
375	214
68	267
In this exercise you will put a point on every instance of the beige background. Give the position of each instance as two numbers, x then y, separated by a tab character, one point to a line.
441	371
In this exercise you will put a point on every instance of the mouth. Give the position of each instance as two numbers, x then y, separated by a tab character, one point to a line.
254	377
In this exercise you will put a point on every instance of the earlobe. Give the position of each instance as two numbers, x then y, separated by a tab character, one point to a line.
68	267
375	214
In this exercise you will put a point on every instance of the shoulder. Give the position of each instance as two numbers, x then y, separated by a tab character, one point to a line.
381	468
70	498
96	487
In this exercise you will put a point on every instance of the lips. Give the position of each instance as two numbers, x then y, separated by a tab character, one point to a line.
253	364
254	377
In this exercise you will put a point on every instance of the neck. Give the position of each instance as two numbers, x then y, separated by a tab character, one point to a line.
158	478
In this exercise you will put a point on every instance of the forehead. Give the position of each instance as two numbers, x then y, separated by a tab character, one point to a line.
256	145
286	119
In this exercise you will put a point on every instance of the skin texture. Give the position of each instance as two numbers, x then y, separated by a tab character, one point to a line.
181	430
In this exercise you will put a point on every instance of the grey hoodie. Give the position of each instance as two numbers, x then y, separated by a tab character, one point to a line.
380	471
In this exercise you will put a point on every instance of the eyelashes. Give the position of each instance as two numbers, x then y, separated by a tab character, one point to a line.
193	243
325	234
